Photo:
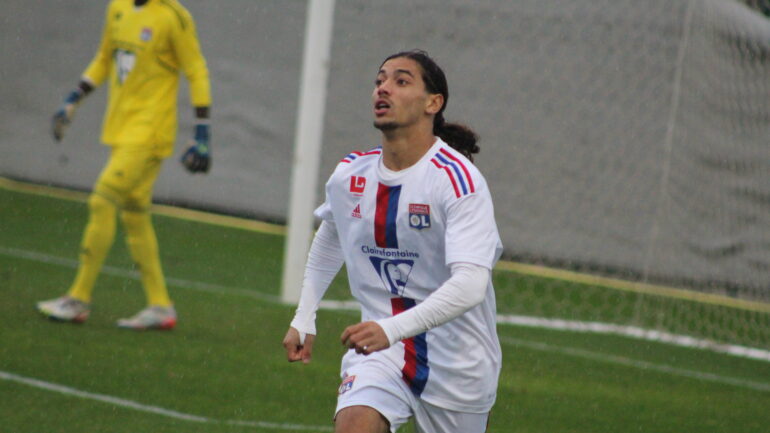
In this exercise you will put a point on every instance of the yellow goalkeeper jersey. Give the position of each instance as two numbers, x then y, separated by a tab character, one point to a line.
141	53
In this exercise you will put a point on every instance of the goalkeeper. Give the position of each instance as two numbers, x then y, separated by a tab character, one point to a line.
144	46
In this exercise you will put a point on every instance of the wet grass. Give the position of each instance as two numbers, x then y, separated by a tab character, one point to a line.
224	361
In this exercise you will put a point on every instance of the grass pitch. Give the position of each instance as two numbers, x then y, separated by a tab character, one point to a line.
223	368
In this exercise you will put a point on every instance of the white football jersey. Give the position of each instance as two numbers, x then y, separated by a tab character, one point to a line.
399	231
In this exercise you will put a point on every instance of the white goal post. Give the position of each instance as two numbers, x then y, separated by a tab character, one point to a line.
307	144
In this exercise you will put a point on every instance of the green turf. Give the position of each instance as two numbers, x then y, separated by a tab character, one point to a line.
530	295
225	361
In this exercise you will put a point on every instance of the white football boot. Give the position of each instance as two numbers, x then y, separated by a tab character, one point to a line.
153	317
65	309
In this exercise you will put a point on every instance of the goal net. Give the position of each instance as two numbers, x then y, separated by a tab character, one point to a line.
644	155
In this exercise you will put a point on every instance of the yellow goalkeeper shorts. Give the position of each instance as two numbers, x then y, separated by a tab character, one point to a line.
129	177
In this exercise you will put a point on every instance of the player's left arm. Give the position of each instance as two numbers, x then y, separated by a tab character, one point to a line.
465	289
197	158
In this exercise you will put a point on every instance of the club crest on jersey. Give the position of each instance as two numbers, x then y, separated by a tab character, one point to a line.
146	34
347	384
356	212
393	273
419	216
357	185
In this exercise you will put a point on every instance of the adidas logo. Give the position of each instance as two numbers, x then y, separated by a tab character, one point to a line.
356	212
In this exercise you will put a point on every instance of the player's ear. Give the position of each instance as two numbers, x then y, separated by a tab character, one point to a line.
434	103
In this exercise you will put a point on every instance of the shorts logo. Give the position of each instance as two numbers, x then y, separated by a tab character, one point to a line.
419	216
346	385
357	185
146	34
356	212
393	273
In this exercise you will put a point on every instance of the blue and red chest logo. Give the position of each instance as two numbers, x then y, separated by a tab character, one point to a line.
419	216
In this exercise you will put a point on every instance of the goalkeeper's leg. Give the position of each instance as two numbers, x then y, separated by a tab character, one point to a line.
143	244
110	193
97	240
140	234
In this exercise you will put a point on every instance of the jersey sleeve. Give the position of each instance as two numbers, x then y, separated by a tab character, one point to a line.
471	231
323	263
188	51
464	290
324	211
99	68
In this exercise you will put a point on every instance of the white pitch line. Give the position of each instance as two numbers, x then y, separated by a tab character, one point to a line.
134	275
129	404
644	365
174	282
537	322
636	332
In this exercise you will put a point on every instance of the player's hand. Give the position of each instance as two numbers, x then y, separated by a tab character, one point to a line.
365	338
61	119
63	116
197	158
296	349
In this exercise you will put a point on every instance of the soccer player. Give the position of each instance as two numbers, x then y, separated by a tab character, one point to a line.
144	46
413	222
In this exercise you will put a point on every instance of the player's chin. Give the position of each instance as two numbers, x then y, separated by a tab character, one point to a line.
385	125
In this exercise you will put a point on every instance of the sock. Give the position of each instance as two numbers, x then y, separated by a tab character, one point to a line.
97	241
143	245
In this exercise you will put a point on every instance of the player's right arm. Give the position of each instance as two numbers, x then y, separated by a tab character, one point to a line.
324	261
94	75
63	116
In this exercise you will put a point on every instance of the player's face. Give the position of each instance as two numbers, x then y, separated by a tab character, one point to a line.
400	98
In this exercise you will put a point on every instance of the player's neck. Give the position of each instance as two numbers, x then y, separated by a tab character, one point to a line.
401	150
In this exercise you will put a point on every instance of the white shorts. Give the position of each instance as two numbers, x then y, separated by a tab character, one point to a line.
377	385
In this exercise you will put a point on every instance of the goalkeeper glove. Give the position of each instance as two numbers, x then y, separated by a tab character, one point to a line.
197	158
63	116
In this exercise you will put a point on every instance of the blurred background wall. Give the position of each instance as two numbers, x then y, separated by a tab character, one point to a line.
618	137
